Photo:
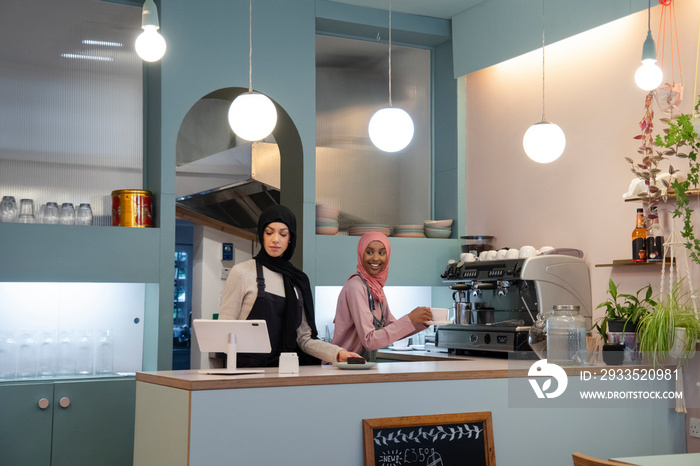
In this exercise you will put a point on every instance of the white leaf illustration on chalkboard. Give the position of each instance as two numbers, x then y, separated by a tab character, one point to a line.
436	433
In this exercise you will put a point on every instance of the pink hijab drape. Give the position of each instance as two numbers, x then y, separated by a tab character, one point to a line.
375	282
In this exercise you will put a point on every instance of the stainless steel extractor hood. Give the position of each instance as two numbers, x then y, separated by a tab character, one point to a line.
233	186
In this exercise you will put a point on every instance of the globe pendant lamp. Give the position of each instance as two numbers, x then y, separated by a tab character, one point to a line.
649	75
150	45
252	115
544	141
390	128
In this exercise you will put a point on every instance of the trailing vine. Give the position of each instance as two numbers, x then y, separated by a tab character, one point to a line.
681	140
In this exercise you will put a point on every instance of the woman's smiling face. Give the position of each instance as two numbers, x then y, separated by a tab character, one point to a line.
374	258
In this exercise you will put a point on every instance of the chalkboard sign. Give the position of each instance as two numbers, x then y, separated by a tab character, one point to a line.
436	440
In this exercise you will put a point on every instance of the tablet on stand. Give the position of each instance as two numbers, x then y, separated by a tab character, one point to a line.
231	337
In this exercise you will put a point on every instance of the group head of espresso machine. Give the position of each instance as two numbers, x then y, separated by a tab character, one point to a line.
496	302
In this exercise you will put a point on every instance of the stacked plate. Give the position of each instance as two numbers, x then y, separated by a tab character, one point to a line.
438	228
326	220
408	231
362	228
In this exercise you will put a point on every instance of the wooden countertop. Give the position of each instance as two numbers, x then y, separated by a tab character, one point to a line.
471	368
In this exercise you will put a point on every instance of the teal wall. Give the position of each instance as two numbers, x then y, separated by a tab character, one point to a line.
497	30
208	50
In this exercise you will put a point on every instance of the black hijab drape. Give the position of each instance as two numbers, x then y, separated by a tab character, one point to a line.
292	277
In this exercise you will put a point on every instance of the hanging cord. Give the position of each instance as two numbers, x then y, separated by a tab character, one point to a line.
697	57
390	103
250	46
668	12
543	119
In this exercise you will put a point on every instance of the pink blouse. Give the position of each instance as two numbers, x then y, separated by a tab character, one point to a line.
354	327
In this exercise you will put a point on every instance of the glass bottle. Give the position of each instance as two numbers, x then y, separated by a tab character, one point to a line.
566	336
654	241
639	234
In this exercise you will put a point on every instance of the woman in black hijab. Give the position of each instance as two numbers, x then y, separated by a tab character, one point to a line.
269	287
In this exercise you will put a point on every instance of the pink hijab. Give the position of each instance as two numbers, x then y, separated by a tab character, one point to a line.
375	282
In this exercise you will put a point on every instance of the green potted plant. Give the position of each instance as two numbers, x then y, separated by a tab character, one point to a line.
618	325
671	328
623	311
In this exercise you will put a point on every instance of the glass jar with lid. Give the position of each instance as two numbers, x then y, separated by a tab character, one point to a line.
566	336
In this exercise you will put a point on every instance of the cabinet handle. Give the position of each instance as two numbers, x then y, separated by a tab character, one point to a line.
64	402
43	403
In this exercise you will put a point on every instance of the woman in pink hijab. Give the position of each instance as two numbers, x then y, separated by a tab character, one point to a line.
363	321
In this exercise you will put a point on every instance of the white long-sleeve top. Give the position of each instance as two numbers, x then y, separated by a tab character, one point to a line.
240	293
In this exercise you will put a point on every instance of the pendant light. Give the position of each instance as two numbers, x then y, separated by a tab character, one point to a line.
544	141
252	115
390	128
649	75
150	45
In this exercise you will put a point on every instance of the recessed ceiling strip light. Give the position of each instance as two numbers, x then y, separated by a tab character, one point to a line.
86	57
102	43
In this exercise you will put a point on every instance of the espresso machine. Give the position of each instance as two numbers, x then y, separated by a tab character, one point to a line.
497	301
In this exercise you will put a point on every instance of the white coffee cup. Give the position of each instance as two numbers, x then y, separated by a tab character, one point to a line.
501	254
491	255
482	255
439	314
467	257
402	343
527	251
545	249
512	253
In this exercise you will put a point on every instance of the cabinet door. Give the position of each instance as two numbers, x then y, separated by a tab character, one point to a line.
25	427
97	427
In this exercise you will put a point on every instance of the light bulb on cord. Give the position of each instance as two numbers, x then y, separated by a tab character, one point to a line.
544	141
150	45
648	76
252	115
390	128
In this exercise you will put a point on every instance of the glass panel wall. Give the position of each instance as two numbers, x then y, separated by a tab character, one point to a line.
72	102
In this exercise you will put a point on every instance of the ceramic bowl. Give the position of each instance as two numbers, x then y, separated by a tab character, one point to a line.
438	223
326	230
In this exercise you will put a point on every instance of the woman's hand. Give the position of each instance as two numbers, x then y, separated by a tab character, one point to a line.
420	314
343	355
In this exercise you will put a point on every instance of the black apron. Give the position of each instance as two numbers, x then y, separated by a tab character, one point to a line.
270	308
371	356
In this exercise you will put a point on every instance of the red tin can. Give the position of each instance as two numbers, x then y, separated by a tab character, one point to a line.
132	208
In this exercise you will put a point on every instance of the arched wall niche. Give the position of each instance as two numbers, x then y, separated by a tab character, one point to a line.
204	132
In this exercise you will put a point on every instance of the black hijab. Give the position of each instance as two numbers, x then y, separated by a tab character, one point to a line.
292	277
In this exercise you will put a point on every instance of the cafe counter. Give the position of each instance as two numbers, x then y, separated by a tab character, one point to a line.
315	417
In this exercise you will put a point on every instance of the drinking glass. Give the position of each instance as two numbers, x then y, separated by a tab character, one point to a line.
51	213
104	353
47	355
84	215
26	356
8	209
67	214
8	356
84	353
66	357
26	211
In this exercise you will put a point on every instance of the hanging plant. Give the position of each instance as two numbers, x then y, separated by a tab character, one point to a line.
648	169
681	140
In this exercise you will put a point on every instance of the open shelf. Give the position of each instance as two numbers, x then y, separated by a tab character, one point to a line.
631	263
691	192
